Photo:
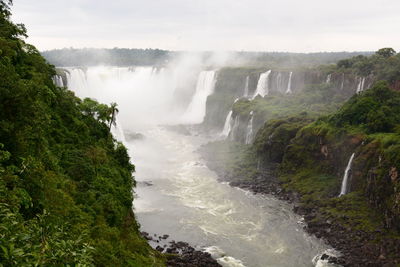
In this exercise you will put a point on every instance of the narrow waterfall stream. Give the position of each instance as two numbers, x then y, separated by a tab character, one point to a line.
178	195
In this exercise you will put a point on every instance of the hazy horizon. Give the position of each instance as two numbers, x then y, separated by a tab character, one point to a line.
176	25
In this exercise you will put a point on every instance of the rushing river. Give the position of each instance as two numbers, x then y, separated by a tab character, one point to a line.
178	195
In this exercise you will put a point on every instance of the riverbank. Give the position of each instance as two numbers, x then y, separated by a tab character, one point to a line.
237	165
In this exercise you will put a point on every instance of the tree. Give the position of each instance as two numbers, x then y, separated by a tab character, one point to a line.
114	111
386	52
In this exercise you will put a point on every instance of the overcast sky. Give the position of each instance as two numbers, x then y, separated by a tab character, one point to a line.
252	25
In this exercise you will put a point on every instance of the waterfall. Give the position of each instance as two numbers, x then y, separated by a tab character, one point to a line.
58	81
197	108
262	85
289	87
118	132
342	85
328	78
76	81
235	127
142	94
246	87
227	125
343	190
279	81
360	86
249	132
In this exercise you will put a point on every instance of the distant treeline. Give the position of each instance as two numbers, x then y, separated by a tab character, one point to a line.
115	57
147	57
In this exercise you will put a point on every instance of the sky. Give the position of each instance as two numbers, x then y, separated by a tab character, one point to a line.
218	25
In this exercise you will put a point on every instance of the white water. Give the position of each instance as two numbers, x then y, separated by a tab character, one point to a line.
262	85
246	87
235	127
227	125
118	131
197	108
58	81
249	132
328	78
360	86
344	188
185	199
289	87
342	85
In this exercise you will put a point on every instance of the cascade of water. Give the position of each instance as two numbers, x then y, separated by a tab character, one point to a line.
227	125
328	78
235	127
289	87
118	131
246	87
360	86
342	85
142	90
197	108
249	132
77	82
343	190
263	85
58	81
279	82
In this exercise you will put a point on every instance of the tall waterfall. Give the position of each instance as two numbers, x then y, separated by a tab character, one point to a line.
227	125
360	86
262	85
58	81
246	87
343	190
289	87
328	78
249	132
197	108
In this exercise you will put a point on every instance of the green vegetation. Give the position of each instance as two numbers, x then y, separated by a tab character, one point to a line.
384	65
315	159
65	183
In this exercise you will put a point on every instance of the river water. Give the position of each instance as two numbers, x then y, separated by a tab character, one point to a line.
178	195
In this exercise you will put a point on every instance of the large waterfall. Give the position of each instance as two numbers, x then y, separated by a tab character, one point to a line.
143	94
262	85
347	172
197	108
249	131
289	87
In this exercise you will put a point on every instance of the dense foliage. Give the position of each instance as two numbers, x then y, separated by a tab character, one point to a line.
384	65
65	183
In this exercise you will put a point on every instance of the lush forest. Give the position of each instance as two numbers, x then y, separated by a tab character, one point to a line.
65	183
